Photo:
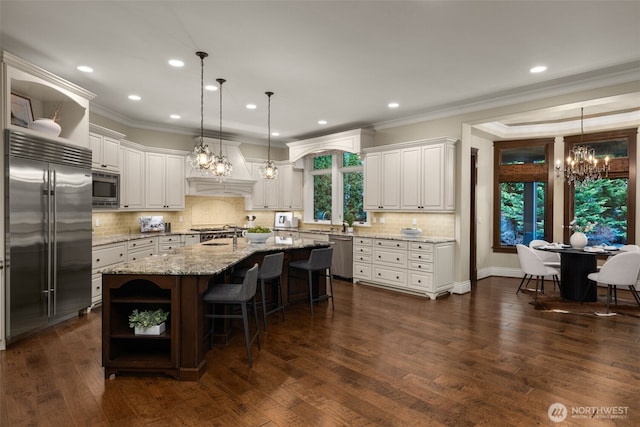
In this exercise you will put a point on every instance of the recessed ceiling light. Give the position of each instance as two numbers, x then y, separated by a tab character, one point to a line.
175	116
212	88
176	63
85	69
322	122
538	69
251	106
393	105
135	97
275	134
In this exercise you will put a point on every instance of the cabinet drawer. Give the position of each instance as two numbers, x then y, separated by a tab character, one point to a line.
104	256
364	258
134	244
169	239
166	247
96	288
421	266
421	246
388	256
139	253
395	244
420	281
363	241
191	239
390	275
361	250
421	256
362	271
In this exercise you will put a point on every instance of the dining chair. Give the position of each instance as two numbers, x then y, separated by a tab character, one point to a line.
630	248
532	266
550	259
620	270
236	294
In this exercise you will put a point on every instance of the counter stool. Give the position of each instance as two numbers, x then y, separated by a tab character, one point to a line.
241	294
318	262
271	270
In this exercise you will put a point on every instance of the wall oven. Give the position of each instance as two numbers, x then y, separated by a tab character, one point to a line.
105	190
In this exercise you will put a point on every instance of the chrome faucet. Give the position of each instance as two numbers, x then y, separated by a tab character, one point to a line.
325	214
235	237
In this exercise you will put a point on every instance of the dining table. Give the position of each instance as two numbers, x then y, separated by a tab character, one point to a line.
575	266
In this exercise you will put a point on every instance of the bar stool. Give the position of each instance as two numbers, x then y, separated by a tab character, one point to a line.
242	295
318	262
271	270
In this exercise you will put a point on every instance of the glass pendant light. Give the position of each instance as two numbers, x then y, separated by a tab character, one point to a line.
221	166
201	158
269	170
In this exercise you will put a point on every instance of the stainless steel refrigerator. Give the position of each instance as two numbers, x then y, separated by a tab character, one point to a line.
47	232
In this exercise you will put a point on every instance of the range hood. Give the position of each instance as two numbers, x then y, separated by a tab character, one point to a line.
240	183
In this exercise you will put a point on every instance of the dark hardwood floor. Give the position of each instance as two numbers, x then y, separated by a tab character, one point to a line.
382	358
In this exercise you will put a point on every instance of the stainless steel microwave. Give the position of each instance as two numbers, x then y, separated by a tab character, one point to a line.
106	190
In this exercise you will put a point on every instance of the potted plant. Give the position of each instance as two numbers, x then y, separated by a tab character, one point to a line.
148	322
349	218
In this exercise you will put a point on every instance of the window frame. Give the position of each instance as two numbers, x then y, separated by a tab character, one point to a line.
619	168
533	173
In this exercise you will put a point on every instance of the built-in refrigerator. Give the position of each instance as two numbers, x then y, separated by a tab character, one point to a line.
47	232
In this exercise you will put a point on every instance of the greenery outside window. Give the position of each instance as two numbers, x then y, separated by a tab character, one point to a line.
523	188
338	186
610	201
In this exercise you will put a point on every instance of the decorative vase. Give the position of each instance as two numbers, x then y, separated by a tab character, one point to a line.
350	230
151	330
47	126
578	240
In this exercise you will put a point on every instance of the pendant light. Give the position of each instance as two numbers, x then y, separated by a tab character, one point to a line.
221	166
201	158
269	170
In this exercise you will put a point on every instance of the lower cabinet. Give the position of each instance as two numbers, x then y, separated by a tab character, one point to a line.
123	350
104	256
169	243
140	248
408	266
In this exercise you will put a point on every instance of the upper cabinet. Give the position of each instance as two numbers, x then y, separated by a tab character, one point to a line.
414	176
284	192
164	181
131	177
30	93
290	188
105	148
382	180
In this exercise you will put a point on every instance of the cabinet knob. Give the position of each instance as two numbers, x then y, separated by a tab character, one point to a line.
397	277
419	256
98	260
379	274
419	281
419	266
121	255
397	259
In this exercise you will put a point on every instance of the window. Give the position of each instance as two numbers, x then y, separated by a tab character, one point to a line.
610	201
524	192
338	186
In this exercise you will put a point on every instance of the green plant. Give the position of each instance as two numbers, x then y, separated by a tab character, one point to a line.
259	230
349	218
147	318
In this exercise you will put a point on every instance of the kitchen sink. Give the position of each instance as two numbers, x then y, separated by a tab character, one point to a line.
215	244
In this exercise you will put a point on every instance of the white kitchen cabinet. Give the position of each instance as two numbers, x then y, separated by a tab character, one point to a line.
431	268
289	188
164	181
105	151
362	251
141	248
104	256
382	180
191	239
131	178
169	243
265	191
428	177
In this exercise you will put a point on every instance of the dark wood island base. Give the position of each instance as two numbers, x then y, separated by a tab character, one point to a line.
156	283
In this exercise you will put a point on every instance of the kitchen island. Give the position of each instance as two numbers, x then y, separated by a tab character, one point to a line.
175	282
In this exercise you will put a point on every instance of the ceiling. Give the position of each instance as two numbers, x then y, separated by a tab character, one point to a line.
339	61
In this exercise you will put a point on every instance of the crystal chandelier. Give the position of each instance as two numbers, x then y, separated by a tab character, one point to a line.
582	166
221	166
269	170
201	158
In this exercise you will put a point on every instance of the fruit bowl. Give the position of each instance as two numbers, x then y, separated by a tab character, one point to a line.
410	231
257	237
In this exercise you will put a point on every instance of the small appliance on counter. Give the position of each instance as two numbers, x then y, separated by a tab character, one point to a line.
151	224
286	220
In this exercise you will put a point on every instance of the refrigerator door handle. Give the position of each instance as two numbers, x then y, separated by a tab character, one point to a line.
54	243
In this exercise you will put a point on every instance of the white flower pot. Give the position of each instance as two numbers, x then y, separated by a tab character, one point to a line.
578	240
151	330
47	126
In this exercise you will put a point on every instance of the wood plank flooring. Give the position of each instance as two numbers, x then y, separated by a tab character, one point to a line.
381	359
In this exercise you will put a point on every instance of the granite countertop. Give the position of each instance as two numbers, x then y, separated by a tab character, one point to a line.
117	238
203	259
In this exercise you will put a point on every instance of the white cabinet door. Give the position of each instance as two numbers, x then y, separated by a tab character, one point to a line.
289	188
164	181
105	152
265	191
432	179
132	179
411	197
382	181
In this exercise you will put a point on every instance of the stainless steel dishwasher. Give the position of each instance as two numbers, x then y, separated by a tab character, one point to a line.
342	262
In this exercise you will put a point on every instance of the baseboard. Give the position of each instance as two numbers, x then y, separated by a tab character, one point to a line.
461	287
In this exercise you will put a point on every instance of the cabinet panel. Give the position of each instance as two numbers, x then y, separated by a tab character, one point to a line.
108	255
164	181
362	271
289	188
391	276
132	178
389	256
432	178
105	151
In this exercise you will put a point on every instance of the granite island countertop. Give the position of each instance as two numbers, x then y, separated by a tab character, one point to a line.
208	258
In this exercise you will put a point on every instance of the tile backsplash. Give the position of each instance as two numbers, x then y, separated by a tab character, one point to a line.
211	211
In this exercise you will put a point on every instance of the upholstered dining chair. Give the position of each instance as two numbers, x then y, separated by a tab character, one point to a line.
532	266
319	262
550	259
620	270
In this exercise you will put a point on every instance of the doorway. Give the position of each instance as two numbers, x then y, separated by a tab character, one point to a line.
473	267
